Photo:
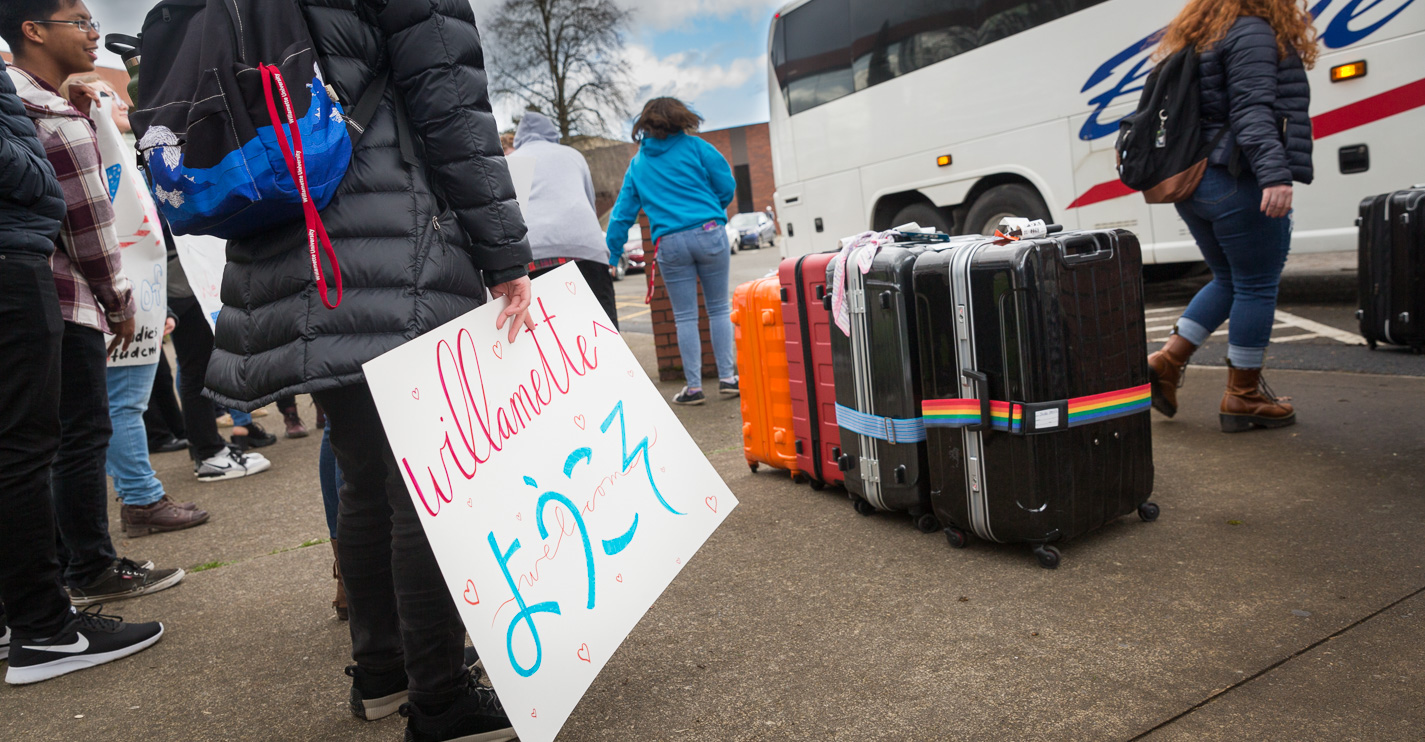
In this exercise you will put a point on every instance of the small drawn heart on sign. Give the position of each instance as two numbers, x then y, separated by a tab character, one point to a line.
619	577
498	350
584	653
630	373
711	502
663	469
570	285
469	502
469	591
579	420
416	394
532	714
519	517
679	560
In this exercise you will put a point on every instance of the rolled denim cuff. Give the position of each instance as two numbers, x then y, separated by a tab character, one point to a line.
1192	331
1241	357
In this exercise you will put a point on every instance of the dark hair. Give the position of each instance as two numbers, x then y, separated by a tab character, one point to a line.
14	13
664	117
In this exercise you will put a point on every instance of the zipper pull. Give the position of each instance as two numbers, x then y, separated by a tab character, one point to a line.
435	222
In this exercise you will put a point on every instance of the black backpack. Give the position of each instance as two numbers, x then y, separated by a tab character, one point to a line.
1161	150
237	130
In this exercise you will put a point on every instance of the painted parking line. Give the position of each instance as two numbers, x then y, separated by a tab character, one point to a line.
1284	320
623	317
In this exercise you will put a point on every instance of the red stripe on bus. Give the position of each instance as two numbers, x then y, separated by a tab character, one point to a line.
1358	114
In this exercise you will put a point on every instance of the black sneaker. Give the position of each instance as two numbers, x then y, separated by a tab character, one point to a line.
376	696
88	638
256	438
729	387
687	397
476	716
168	445
124	579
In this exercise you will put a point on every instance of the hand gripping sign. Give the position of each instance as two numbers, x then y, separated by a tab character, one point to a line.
559	492
141	247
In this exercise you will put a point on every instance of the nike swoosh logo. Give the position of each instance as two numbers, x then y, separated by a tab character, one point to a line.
80	643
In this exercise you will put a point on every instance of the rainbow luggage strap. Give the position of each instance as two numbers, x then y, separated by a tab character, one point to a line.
1026	418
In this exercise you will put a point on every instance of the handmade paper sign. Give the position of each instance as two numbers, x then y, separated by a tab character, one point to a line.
141	247
559	492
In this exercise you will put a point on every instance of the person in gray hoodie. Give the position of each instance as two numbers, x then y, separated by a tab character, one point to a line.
559	211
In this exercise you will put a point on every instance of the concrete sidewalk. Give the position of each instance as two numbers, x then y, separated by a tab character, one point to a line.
1281	595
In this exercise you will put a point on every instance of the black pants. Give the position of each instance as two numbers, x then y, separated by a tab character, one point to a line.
600	281
163	418
77	479
30	328
401	611
192	346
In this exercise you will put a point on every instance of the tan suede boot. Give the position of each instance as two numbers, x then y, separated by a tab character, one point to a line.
339	603
1249	403
1167	369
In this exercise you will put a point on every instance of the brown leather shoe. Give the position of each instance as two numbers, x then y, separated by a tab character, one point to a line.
1250	403
339	603
293	423
1167	369
160	517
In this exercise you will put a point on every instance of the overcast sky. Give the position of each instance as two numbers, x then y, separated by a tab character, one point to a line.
711	53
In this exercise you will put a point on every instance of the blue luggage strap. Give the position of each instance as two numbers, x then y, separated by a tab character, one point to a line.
888	429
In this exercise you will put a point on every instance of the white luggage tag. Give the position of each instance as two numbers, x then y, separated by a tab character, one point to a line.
1015	228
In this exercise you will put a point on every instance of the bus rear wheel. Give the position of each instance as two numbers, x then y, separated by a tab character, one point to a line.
923	214
1012	199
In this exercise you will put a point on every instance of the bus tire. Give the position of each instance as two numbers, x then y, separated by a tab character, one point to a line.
1013	199
923	214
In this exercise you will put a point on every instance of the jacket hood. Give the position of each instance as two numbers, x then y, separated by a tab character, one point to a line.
40	100
535	127
654	147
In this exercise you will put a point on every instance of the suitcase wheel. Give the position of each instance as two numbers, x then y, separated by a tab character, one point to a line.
753	466
927	523
800	478
1371	343
1048	556
1148	512
818	485
956	537
864	508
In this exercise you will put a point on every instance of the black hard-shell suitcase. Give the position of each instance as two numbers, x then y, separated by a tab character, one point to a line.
878	388
1392	269
1033	365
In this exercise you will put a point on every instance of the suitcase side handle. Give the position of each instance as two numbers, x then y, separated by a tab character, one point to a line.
981	382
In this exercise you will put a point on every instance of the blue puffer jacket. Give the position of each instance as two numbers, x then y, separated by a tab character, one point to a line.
1265	98
31	203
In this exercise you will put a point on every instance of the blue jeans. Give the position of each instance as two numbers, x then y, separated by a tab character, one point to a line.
329	474
685	258
240	419
127	461
1246	250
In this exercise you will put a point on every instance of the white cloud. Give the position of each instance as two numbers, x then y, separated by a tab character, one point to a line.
684	76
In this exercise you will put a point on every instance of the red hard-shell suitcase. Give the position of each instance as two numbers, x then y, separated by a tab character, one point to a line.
808	321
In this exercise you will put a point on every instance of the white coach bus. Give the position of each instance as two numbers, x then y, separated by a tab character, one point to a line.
954	113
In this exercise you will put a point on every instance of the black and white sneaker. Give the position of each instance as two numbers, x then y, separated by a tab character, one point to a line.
4	638
230	463
687	397
88	638
125	578
729	388
378	696
476	716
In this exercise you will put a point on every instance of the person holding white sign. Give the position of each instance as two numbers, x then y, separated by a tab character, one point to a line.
410	262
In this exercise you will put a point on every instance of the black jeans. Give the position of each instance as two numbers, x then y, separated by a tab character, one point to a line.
77	479
192	346
163	418
600	281
30	328
401	611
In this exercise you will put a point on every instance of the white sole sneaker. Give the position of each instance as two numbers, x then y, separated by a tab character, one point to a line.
65	665
5	644
236	471
163	584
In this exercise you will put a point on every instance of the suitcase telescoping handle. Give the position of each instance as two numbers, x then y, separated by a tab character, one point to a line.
981	382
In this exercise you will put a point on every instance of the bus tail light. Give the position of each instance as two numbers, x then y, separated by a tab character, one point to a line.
1348	71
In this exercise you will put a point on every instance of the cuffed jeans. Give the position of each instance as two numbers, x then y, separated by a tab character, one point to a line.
401	611
685	258
128	463
1246	251
81	493
31	328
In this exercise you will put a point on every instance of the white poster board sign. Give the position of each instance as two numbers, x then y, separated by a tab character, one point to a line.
522	174
559	492
203	259
140	238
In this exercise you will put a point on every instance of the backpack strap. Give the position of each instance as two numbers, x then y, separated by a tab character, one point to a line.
360	116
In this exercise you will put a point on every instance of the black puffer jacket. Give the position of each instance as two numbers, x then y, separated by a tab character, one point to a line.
1245	81
31	203
410	260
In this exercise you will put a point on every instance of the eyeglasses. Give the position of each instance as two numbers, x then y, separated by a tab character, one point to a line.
82	24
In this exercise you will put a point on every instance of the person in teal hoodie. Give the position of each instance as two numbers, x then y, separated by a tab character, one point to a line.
684	186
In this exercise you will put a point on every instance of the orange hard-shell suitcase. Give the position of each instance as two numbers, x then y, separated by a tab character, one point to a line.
767	434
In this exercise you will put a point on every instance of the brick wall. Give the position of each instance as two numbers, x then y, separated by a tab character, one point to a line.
751	146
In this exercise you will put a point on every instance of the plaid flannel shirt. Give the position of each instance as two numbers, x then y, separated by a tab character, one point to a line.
88	275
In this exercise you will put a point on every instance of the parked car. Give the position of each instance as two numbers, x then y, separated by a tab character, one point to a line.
753	230
632	259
